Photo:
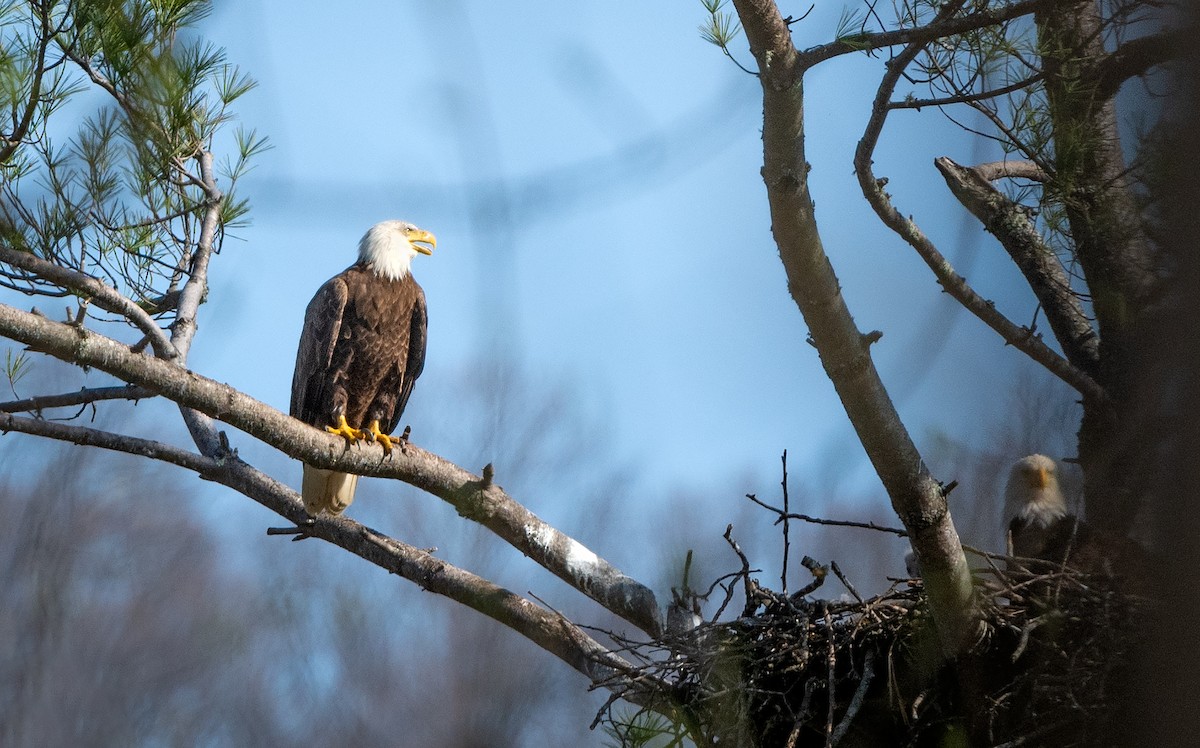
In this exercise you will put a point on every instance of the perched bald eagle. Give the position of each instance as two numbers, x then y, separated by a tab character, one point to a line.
361	350
1039	524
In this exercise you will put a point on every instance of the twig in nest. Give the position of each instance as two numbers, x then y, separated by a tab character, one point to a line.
857	700
745	573
786	543
818	572
842	577
832	662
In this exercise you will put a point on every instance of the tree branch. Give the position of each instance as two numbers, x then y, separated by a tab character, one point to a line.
845	352
966	98
546	629
1012	226
473	497
920	35
1019	337
102	295
1136	57
84	396
994	170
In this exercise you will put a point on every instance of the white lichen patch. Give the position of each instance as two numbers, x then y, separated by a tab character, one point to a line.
578	561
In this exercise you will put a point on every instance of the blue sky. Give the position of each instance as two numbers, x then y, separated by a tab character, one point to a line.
592	177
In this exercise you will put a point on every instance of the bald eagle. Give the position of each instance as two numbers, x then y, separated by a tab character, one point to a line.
361	350
1039	525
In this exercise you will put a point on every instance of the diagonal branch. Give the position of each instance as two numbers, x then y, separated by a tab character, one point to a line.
1019	337
917	498
1012	226
474	497
546	629
99	293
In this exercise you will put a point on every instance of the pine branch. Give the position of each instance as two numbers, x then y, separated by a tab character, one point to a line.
941	27
97	292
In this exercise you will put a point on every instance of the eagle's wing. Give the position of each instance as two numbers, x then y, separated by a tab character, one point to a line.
322	324
416	358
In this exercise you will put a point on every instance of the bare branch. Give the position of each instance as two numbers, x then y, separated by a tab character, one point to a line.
940	27
783	515
1011	224
104	296
916	496
82	397
485	503
966	98
549	631
1020	337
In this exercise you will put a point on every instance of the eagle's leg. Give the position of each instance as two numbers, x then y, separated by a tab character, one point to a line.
375	434
344	429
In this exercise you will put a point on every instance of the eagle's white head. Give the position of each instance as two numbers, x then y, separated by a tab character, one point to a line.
389	247
1032	493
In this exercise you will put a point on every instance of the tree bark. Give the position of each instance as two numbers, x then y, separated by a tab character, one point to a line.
1092	184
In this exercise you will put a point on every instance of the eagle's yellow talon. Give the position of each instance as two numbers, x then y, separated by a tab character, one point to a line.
346	430
380	437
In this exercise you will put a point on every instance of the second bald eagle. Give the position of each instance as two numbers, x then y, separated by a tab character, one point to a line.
361	350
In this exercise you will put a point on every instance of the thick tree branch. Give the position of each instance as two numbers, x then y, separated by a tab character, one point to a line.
845	352
546	629
1137	57
101	294
1020	337
1012	226
473	497
994	170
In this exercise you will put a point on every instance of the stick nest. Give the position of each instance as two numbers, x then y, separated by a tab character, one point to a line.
796	671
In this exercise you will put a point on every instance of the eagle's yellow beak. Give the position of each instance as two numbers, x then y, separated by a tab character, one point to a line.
420	235
1040	478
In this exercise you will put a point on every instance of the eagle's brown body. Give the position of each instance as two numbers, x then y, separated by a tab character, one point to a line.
361	350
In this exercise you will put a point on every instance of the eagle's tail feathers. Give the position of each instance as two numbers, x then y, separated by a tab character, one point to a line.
327	490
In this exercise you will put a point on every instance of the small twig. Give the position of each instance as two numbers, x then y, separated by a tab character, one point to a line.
81	397
818	572
782	516
831	660
842	577
786	542
857	700
745	573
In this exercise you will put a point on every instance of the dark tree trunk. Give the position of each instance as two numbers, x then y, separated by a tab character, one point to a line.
1092	185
